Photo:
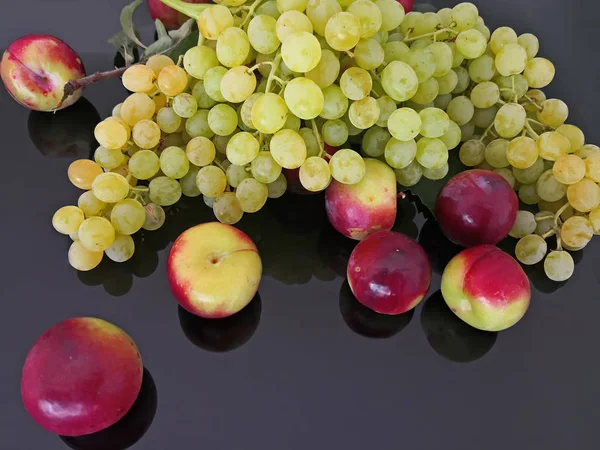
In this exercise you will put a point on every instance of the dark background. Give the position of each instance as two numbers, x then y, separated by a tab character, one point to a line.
305	379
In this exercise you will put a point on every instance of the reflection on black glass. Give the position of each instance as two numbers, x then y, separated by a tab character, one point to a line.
365	321
405	218
222	335
449	336
68	133
127	431
335	249
439	249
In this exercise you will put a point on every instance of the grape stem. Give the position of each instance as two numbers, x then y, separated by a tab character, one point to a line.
201	39
258	66
219	165
530	131
540	124
533	102
545	217
486	132
251	11
558	213
375	76
549	233
274	67
433	33
318	136
279	80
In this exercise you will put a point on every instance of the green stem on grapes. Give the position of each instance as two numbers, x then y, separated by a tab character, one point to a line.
486	132
280	81
219	165
375	77
201	39
433	33
558	242
540	124
192	10
318	136
549	233
559	212
180	60
532	133
544	217
501	102
258	66
512	79
274	67
251	11
533	102
349	53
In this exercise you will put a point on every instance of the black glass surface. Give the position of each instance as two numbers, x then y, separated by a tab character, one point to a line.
304	366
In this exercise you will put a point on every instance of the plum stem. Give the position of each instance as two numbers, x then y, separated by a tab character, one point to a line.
74	85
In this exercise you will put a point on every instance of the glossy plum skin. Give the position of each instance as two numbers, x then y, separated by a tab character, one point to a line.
35	69
81	376
170	18
476	207
389	272
407	4
486	288
370	205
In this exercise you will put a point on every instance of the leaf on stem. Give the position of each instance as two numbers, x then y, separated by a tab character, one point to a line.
127	22
162	44
125	46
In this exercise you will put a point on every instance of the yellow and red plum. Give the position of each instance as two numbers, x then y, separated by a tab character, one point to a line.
81	376
357	210
389	272
486	288
214	270
476	207
170	18
35	69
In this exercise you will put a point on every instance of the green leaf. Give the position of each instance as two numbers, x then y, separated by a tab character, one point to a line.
184	45
125	46
183	31
192	10
161	45
428	190
127	22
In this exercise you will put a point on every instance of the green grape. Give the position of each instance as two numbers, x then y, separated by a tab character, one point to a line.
172	80
422	62
82	259
445	16
155	217
212	85
386	107
122	248
199	92
554	112
374	141
545	225
442	101
197	60
591	165
574	135
368	54
352	130
252	195
506	174
235	175
500	37
399	81
288	149
409	21
471	43
335	103
214	20
587	150
292	123
472	153
549	188
483	118
110	187
301	51
552	145
164	191
364	113
246	110
531	249
222	119
464	15
269	113
237	84
467	131
584	195
539	72
111	134
343	31
506	85
427	92
269	8
227	208
210	201
242	148
96	234
495	156
510	120
461	110
233	47
355	83
463	80
108	159
404	124
576	232
417	106
452	137
68	219
289	5
326	71
146	134
137	107
320	11
511	60
347	166
426	23
144	164
127	216
335	132
399	154
431	153
485	95
138	78
410	175
292	22
443	57
278	187
116	111
484	30
436	174
90	204
447	83
457	57
434	122
184	105
392	14
304	98
393	51
368	15
168	120
262	34
315	174
197	125
524	224
264	168
188	183
211	181
482	69
528	194
530	43
174	162
310	140
522	152
200	151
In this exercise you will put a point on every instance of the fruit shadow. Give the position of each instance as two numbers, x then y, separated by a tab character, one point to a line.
366	322
222	335
127	431
449	336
